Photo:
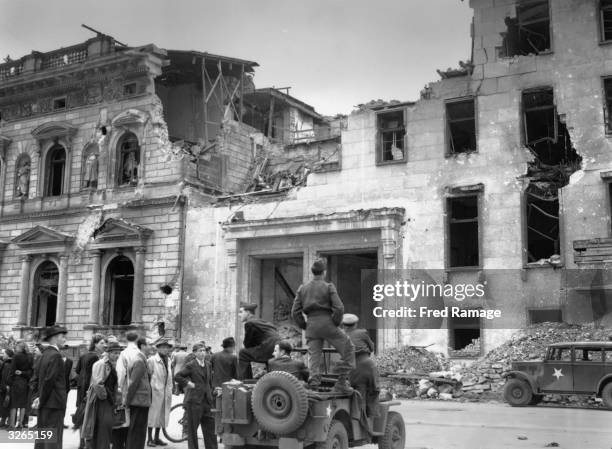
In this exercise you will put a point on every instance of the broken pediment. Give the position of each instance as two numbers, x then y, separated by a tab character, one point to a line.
130	117
41	237
51	130
118	232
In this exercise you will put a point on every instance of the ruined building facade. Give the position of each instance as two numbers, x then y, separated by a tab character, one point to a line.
209	191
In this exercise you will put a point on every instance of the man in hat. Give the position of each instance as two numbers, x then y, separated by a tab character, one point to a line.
360	337
224	363
50	386
161	390
259	339
319	301
178	358
364	378
195	378
282	361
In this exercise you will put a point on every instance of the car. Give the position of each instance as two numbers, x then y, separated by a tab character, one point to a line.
279	411
568	368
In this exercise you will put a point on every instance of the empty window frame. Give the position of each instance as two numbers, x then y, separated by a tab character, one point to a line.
545	316
542	216
55	171
607	85
461	126
605	14
391	144
59	103
545	135
463	231
529	31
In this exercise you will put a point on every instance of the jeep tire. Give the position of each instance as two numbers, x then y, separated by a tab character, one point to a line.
280	402
606	395
337	437
394	436
517	392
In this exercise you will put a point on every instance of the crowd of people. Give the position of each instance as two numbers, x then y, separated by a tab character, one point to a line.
124	392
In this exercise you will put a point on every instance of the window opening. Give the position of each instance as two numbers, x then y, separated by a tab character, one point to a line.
464	336
44	304
120	288
529	31
605	9
463	229
391	132
55	171
59	103
608	105
461	124
129	158
545	316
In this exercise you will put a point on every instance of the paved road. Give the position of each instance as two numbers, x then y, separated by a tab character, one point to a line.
448	425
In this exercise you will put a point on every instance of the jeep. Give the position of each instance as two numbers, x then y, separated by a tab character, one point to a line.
568	368
279	411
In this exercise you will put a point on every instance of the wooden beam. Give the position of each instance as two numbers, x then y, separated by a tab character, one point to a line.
204	96
270	117
241	92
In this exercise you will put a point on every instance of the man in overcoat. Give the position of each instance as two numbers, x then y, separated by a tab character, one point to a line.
50	387
161	391
196	379
224	363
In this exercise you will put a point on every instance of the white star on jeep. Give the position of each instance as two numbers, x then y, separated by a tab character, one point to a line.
328	410
557	373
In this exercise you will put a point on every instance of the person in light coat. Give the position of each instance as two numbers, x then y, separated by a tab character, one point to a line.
162	383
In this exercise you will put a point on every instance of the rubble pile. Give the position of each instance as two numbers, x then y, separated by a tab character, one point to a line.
407	359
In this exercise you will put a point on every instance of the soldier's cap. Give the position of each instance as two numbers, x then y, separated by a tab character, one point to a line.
248	306
349	319
318	265
50	331
228	342
163	341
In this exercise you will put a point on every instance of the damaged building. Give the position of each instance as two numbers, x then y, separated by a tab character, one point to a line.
156	189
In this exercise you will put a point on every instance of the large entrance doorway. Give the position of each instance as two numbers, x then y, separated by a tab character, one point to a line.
44	305
344	270
120	290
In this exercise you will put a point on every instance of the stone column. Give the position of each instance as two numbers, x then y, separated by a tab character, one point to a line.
94	300
60	316
25	290
138	286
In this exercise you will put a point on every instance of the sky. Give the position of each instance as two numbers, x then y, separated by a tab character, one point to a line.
334	54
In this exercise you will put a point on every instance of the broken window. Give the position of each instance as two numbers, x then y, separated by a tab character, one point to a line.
464	336
605	10
461	124
463	231
391	136
545	316
529	31
542	221
608	106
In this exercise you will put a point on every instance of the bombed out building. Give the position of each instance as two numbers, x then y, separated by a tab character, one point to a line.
151	188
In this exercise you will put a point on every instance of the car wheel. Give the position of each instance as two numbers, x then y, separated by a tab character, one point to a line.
606	395
337	437
280	402
517	392
394	436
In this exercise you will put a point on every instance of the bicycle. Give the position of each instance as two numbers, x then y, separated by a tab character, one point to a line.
176	431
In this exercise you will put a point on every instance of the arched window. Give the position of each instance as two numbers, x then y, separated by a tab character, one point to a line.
89	167
119	288
22	176
129	160
44	298
55	169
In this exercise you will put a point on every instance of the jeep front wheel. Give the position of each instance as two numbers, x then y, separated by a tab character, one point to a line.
337	437
606	395
517	392
394	436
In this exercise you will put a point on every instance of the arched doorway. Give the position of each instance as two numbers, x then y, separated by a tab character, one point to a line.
44	298
120	289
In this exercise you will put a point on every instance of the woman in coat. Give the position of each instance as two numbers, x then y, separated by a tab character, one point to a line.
160	373
5	377
21	371
102	401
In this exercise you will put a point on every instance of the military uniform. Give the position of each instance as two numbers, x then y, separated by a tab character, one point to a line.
319	301
287	364
259	340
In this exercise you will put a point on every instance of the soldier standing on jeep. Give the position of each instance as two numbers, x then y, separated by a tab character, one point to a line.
319	301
